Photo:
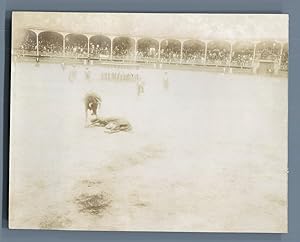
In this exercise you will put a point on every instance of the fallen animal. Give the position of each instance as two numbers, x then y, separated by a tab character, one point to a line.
111	124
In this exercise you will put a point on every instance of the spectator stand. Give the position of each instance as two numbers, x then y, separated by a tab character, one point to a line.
105	48
218	53
284	58
76	46
100	47
242	54
25	43
123	49
193	52
268	55
147	50
51	44
171	51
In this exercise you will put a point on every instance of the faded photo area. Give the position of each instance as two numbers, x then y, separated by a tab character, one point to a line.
149	122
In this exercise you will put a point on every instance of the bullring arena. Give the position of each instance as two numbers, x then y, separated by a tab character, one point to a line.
208	120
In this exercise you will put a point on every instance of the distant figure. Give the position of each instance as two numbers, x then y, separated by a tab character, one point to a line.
92	103
37	61
72	74
87	73
140	87
63	66
224	70
166	81
112	124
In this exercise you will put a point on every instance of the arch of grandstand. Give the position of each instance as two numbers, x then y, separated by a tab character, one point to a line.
123	48
26	42
100	47
51	43
218	53
170	51
193	52
242	54
268	50
76	45
147	49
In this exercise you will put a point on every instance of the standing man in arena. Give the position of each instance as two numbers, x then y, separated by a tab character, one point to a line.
92	104
87	73
140	87
72	74
166	81
139	82
37	61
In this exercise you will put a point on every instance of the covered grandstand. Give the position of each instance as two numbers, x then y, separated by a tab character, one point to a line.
200	52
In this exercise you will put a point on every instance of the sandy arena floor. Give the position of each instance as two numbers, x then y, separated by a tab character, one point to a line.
208	154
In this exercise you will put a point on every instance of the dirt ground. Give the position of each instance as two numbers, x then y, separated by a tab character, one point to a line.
207	154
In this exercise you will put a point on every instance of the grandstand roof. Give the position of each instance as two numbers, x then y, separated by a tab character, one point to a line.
200	26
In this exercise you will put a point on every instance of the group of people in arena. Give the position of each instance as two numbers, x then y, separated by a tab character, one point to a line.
119	76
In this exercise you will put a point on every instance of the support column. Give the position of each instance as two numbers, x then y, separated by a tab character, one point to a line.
37	32
205	53
64	45
281	52
254	55
230	56
37	44
111	47
135	49
88	46
159	47
181	51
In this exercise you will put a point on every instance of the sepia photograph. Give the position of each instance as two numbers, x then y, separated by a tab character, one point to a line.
168	122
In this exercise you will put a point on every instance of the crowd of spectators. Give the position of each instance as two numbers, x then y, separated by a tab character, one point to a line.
242	58
147	50
269	52
122	52
284	61
169	53
27	46
49	47
99	51
191	56
218	56
76	50
147	53
123	49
